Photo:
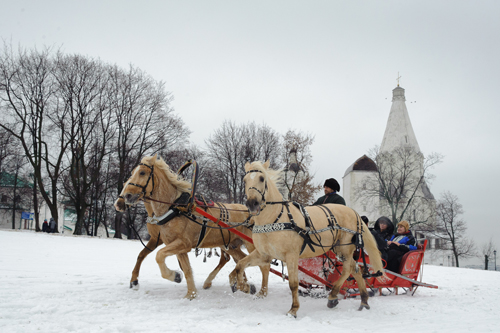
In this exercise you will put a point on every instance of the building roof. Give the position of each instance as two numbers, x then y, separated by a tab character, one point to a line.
398	131
8	180
364	163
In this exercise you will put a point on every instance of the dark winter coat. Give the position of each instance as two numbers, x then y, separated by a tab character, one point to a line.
382	236
45	226
333	198
52	225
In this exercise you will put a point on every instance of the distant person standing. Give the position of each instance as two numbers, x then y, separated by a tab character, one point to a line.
45	226
331	188
52	225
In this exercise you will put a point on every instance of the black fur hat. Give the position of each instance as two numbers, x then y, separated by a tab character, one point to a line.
365	219
333	184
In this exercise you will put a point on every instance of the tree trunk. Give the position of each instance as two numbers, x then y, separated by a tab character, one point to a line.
485	262
118	225
35	208
14	201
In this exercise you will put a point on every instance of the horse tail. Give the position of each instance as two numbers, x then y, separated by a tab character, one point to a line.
370	245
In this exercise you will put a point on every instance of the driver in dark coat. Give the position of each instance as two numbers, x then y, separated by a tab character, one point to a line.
331	188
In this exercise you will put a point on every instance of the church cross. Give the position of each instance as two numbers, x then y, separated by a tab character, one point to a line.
399	76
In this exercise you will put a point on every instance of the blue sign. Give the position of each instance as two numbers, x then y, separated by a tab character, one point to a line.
27	216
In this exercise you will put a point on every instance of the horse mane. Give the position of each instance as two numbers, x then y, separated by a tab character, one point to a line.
176	180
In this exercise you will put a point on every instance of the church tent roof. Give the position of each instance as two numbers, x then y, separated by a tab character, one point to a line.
399	131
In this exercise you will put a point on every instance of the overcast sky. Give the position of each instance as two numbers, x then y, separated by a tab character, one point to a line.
321	67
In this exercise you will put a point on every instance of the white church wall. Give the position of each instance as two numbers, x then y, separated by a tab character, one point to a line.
363	206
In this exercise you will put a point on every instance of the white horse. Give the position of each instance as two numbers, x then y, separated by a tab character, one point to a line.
153	180
281	232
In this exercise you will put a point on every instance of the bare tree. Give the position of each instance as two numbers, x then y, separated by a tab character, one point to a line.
82	89
296	156
400	184
487	251
8	148
29	108
451	229
225	149
144	120
231	146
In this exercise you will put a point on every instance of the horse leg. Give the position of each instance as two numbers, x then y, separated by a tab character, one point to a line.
151	246
188	273
264	269
356	272
292	264
346	271
172	248
237	255
222	262
236	277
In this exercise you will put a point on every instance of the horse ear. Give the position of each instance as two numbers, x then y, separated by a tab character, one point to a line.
266	165
247	166
154	159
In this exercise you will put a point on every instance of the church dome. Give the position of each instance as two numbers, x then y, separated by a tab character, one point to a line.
364	163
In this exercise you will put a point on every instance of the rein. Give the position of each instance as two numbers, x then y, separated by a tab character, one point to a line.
131	225
186	205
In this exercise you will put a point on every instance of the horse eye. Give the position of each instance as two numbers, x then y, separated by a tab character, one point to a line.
142	173
261	178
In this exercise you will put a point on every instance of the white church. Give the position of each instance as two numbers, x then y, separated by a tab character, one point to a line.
398	134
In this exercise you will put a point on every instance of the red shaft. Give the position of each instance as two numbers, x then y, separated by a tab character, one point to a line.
245	237
237	232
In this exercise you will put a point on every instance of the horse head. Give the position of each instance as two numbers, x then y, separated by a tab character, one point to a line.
140	184
256	179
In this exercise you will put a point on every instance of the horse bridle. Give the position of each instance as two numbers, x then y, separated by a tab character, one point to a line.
263	194
147	182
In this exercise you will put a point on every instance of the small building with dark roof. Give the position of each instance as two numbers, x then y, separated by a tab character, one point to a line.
355	175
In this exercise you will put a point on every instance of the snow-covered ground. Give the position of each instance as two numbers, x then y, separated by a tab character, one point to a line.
54	283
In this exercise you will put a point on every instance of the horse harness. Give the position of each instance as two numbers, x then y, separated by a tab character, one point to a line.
309	230
184	204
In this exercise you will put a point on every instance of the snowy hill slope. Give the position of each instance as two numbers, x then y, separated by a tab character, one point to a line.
52	283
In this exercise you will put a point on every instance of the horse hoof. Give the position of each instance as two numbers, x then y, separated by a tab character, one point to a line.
134	285
364	306
234	288
253	290
332	303
191	295
178	277
207	285
371	293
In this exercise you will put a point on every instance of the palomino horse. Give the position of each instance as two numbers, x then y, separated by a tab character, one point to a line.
155	241
284	234
163	186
